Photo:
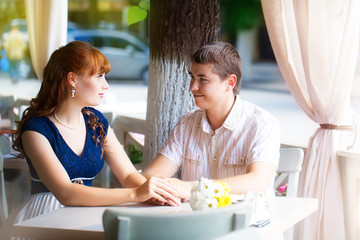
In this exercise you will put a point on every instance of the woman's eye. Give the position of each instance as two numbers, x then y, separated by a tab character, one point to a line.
100	76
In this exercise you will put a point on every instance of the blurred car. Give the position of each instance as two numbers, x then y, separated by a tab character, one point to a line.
127	54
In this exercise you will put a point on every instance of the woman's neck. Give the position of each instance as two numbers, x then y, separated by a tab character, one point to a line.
68	115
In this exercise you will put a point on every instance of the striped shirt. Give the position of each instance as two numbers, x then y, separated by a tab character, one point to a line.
249	134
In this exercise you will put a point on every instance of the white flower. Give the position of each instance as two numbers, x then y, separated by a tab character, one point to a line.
218	189
207	194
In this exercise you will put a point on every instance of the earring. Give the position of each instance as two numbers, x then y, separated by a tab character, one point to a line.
73	92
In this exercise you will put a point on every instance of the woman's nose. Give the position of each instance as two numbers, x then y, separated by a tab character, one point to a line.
106	85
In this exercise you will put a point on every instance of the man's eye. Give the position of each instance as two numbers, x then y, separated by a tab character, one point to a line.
203	79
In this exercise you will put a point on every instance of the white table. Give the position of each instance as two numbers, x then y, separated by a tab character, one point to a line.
86	222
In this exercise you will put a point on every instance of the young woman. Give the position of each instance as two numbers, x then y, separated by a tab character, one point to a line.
65	142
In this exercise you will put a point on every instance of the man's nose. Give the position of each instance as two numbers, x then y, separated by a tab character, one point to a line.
194	86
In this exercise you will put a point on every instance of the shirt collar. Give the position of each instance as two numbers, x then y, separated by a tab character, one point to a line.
230	121
205	125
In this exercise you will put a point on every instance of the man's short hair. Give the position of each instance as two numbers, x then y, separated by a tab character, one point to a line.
224	58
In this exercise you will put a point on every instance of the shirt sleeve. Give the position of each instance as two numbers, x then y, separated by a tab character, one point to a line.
173	148
266	144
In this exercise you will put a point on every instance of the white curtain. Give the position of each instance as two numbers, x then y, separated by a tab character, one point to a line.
316	44
47	28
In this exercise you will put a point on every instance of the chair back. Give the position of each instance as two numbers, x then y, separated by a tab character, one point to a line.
123	224
290	163
7	110
123	125
3	201
5	144
289	168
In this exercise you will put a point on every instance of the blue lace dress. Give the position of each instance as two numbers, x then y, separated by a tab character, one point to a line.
82	168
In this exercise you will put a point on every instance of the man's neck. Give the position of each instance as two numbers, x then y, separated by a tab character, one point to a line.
217	115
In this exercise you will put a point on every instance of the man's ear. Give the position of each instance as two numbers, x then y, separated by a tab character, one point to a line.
231	80
71	77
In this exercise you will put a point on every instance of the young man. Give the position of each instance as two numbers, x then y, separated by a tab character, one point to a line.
227	138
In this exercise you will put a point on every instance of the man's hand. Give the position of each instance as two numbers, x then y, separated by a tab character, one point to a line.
183	188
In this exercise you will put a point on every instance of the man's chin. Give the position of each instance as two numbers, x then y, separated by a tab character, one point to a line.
199	105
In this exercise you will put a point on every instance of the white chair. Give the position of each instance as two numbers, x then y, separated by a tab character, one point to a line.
11	161
11	109
7	115
4	149
3	201
290	163
123	127
5	144
123	224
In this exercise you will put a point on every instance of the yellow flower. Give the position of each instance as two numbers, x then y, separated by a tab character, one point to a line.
208	193
224	200
226	187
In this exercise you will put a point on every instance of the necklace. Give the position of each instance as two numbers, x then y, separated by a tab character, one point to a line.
65	125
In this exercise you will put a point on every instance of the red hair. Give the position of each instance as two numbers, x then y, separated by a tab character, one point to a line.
76	57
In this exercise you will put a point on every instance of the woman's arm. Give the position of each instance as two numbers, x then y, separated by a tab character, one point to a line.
120	163
56	179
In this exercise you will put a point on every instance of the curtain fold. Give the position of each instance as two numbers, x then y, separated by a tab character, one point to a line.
47	28
316	45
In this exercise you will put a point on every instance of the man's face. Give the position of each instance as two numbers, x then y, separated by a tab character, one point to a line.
208	89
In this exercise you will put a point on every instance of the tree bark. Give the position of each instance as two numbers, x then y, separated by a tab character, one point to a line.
177	29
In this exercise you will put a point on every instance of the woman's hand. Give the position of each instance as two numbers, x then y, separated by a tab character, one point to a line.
158	189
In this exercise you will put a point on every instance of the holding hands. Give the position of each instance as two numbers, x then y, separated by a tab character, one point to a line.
158	191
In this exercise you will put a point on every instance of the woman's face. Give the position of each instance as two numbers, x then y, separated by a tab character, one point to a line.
89	90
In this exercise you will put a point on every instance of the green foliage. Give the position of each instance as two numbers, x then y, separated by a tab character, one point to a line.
240	14
135	154
145	4
138	13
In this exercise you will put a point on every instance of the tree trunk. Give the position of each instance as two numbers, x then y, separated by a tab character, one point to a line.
177	29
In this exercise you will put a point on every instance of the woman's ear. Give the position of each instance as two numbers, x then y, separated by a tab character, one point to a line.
71	77
231	80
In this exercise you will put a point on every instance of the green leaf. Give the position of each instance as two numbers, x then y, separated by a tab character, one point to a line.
135	14
135	154
145	4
